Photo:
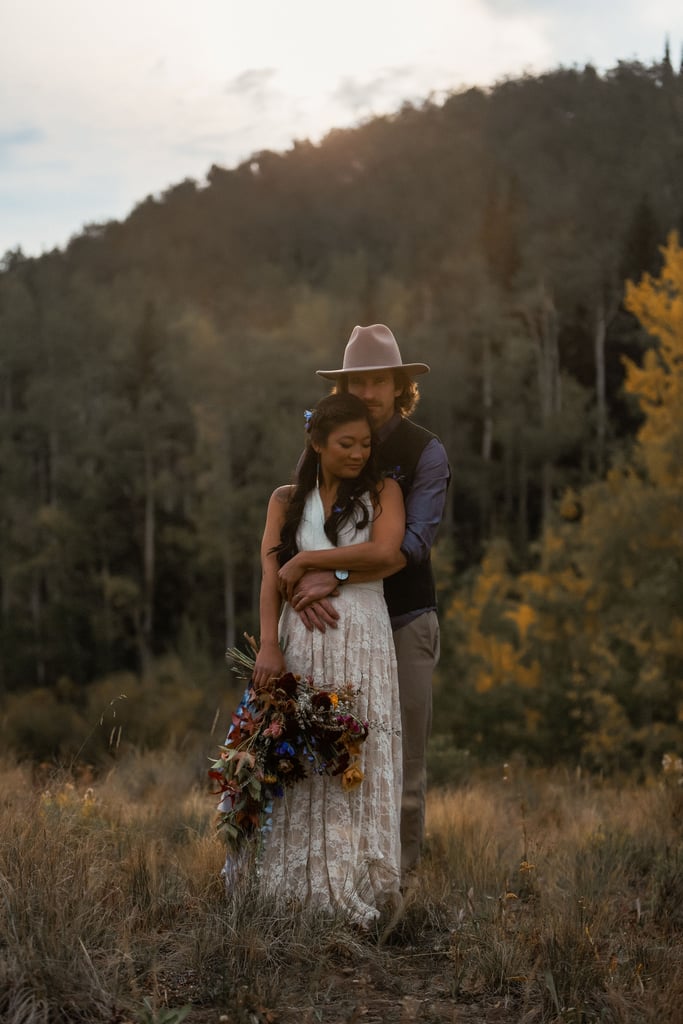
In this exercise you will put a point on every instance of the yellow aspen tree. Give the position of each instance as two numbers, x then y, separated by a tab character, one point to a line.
658	383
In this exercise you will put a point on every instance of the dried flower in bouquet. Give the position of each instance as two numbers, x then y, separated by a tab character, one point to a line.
279	735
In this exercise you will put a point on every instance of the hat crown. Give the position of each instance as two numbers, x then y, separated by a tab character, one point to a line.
371	346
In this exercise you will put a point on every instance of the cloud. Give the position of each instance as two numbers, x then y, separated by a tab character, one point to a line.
253	85
16	138
359	94
24	136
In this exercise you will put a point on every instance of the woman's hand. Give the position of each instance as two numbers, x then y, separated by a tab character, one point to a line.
270	664
289	575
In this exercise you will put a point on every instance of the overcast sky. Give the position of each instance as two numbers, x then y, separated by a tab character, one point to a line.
103	102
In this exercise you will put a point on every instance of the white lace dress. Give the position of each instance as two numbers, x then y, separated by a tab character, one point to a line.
330	848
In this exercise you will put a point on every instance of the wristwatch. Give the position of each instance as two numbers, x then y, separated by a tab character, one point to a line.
342	575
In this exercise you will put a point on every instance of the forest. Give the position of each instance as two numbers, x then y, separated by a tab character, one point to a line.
524	241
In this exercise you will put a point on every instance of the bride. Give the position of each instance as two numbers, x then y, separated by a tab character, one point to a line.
331	847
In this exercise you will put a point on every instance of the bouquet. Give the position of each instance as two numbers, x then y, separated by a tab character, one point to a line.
279	735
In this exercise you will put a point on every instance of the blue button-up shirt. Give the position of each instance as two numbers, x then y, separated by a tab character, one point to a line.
425	503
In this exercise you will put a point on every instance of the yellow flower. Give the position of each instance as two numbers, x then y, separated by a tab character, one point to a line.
351	778
334	700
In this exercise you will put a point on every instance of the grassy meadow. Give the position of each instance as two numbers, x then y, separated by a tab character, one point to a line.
542	898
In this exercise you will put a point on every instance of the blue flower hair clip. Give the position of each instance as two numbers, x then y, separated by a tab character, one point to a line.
308	416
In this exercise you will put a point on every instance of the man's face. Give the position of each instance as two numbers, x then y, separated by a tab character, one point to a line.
377	388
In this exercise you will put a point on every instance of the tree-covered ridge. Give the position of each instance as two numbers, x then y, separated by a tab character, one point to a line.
153	375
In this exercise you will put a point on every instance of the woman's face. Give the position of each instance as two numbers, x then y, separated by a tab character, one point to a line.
346	450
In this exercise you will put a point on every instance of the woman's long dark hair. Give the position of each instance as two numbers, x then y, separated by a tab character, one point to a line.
330	412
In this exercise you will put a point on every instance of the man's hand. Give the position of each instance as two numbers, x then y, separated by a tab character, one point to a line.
314	586
311	600
289	576
319	615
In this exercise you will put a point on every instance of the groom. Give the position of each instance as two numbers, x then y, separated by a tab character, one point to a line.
374	371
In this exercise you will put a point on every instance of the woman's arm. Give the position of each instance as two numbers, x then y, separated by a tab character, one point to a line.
270	661
377	555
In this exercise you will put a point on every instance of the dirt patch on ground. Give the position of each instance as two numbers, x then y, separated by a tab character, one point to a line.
388	985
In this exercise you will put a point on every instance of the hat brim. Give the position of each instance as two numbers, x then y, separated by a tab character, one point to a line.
412	369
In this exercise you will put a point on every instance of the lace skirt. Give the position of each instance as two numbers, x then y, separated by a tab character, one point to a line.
327	847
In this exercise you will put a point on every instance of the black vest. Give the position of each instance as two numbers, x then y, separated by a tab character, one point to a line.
413	587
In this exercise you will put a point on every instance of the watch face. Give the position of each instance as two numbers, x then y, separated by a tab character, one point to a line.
341	574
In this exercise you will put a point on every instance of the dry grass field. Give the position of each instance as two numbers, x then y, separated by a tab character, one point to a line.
542	898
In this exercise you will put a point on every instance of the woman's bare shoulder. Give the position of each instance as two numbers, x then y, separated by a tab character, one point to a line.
389	487
388	494
282	493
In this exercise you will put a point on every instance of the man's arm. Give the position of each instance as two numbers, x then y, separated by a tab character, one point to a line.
424	506
425	502
311	599
312	595
377	554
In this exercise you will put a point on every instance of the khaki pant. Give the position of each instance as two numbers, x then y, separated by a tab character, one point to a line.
417	653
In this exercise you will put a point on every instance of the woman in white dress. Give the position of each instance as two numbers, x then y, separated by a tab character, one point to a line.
329	847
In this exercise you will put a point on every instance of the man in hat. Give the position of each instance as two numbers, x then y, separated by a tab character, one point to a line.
374	371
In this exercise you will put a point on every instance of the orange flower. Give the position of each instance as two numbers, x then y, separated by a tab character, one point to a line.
351	778
351	744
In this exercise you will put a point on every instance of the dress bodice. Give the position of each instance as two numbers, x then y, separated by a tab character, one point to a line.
311	534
